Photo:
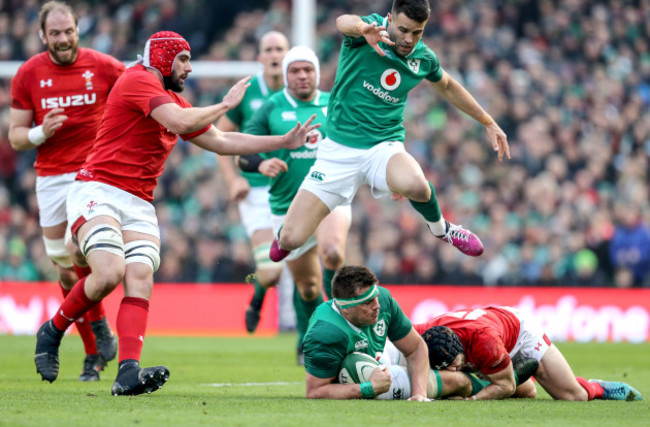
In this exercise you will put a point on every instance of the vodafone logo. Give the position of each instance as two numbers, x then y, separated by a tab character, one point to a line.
390	79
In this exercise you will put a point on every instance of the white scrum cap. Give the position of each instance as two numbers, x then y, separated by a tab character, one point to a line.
300	53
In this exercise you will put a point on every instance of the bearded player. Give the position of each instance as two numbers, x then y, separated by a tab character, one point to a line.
489	339
109	206
58	98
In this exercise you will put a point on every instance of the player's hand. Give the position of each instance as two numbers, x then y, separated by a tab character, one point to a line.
498	139
375	34
53	120
381	380
272	167
419	398
297	136
238	189
236	93
397	197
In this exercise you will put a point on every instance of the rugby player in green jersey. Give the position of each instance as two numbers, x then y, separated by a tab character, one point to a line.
250	190
299	100
381	60
360	318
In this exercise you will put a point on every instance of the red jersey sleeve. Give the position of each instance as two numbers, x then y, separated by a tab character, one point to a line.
488	353
20	94
144	94
184	103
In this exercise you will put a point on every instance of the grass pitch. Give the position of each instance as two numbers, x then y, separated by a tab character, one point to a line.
255	381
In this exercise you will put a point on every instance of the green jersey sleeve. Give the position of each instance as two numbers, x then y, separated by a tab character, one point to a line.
325	348
435	72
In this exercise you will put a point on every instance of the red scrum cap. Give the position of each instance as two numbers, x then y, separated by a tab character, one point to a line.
161	50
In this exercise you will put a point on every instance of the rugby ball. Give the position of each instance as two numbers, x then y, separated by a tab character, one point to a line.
357	368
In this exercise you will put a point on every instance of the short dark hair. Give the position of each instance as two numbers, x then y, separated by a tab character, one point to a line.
417	10
51	6
443	344
350	279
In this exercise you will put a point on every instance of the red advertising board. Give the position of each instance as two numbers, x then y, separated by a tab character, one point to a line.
576	314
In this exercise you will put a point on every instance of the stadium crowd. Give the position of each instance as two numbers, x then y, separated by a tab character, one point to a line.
569	82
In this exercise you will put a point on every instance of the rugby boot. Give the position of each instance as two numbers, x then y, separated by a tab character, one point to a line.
615	390
46	356
105	340
92	365
252	318
276	253
133	380
462	239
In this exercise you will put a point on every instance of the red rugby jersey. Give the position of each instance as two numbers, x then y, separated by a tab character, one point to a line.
81	89
488	335
131	147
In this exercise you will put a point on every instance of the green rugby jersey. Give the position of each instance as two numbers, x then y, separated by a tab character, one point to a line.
278	116
369	94
255	95
330	337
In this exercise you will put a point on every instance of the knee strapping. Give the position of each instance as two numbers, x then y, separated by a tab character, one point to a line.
262	260
103	238
57	252
143	251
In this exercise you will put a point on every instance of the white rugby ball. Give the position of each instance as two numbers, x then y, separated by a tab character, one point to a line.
357	368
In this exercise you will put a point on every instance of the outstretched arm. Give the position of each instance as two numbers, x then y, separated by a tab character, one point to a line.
180	120
326	388
231	143
458	96
354	26
238	187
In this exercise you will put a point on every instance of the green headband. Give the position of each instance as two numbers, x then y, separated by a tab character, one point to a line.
359	299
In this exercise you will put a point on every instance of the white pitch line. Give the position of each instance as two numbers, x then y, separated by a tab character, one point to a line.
252	384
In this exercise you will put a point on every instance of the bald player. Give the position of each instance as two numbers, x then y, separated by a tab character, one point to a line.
251	190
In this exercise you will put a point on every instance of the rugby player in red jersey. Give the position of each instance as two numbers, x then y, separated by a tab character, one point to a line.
488	339
109	206
58	98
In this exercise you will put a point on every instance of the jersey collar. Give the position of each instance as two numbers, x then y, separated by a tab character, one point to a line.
264	89
294	103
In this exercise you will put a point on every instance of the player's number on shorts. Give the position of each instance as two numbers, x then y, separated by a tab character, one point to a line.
469	315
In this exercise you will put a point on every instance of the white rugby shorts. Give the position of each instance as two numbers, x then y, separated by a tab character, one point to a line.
278	220
340	170
255	210
532	342
90	199
51	195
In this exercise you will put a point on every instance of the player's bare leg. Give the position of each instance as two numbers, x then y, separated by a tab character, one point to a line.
404	176
303	217
107	272
104	339
131	327
59	252
557	378
332	235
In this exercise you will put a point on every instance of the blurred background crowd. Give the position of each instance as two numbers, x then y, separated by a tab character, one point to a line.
568	81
